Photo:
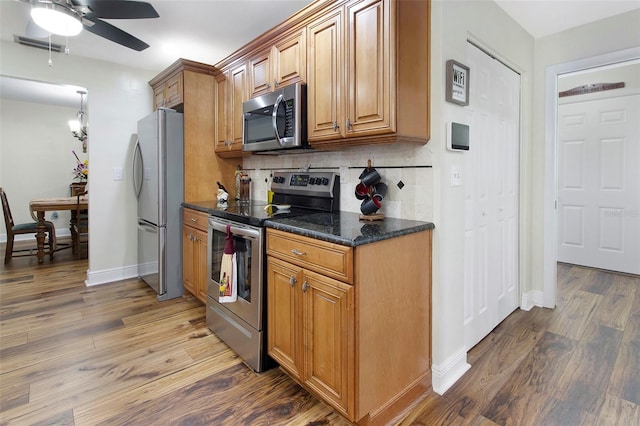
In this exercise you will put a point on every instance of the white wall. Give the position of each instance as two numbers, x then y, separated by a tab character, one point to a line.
118	97
37	159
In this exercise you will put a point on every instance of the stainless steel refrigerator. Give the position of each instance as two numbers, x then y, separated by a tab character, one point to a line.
158	184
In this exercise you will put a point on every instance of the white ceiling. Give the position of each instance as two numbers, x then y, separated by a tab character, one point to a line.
209	30
544	17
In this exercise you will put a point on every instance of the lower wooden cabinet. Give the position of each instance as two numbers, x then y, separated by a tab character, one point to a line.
194	253
311	328
352	324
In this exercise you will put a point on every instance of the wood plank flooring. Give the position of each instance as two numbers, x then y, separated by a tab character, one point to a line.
113	355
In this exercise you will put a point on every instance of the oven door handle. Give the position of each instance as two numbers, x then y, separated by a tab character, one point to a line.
240	231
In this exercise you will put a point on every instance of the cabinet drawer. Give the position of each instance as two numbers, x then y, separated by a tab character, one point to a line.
332	260
197	219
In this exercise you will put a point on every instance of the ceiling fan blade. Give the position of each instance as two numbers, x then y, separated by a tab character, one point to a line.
115	34
119	9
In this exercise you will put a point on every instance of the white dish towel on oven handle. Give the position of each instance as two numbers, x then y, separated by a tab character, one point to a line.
228	271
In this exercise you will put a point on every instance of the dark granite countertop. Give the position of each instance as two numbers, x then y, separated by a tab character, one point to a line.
207	206
346	228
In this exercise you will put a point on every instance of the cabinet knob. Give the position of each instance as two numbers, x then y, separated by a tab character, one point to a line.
298	252
335	126
348	124
275	83
194	220
305	286
292	280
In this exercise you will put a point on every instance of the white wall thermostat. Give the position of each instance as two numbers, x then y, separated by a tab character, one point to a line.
457	136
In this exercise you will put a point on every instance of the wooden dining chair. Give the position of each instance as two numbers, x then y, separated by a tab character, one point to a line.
80	226
24	228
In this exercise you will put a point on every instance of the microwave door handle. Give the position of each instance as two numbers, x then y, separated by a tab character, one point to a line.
275	117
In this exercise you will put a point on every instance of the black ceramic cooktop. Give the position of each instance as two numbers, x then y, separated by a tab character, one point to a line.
254	213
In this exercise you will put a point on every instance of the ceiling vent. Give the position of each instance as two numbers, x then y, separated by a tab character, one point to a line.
40	44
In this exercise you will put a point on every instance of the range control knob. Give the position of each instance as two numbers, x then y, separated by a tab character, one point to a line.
325	181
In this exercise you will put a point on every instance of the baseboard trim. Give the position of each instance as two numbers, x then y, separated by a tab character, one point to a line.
106	276
530	299
447	373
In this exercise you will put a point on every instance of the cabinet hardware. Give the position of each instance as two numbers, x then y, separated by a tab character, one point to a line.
275	84
268	86
193	219
298	252
348	124
335	126
292	281
305	286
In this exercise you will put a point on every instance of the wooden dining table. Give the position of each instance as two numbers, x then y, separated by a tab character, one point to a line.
41	205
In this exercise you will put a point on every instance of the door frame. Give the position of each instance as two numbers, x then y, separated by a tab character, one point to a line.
550	212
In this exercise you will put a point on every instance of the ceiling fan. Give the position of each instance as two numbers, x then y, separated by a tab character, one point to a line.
73	15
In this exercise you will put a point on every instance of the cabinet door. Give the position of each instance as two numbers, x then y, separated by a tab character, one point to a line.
260	74
284	342
200	258
158	96
173	91
326	77
289	58
368	68
329	339
237	95
222	128
188	278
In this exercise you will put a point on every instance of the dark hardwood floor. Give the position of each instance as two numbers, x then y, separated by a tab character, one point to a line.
113	355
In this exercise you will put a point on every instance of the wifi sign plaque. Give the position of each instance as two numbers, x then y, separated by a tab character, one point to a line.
457	90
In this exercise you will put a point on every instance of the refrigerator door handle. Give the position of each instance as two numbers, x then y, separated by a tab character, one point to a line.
147	227
137	154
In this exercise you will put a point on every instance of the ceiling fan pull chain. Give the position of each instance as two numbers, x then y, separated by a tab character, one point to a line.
50	61
66	47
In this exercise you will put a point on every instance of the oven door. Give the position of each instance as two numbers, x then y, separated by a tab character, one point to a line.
249	245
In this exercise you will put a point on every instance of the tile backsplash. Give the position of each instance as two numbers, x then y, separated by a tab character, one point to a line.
406	163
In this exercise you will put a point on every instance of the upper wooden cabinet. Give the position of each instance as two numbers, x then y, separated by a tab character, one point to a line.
169	93
366	65
196	89
231	92
368	73
279	65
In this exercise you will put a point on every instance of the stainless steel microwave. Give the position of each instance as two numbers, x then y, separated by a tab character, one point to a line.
276	120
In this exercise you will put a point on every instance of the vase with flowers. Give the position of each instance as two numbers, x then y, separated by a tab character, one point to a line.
81	171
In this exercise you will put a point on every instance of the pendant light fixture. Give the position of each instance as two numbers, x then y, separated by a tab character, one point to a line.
78	126
56	19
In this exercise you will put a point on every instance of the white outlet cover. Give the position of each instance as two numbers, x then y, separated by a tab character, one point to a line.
117	173
456	176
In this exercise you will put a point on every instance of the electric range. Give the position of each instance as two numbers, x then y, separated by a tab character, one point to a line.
242	323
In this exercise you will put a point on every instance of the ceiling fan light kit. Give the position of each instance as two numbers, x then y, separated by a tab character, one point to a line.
56	19
67	18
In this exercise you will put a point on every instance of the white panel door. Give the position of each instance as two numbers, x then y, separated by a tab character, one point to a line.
491	196
599	181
